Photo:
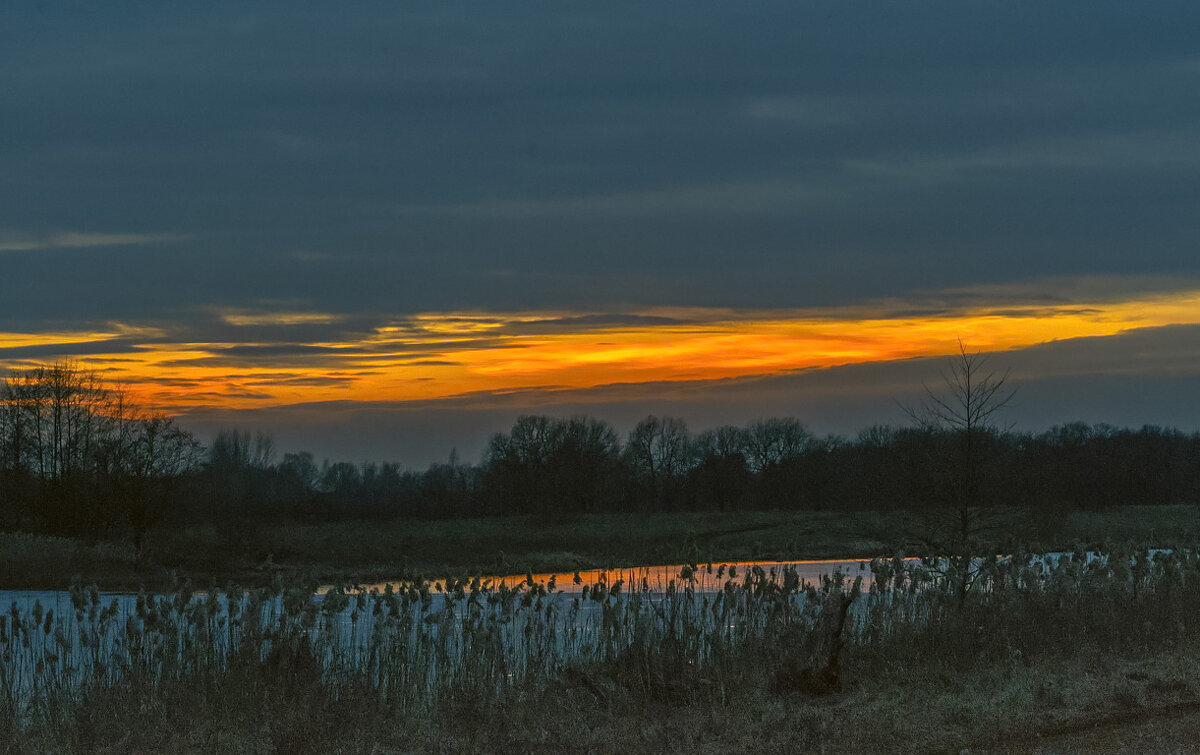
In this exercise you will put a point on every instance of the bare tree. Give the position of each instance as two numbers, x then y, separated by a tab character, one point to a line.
660	452
721	478
90	457
775	441
725	441
960	527
53	418
556	467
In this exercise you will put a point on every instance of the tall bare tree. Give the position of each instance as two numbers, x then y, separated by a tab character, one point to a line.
776	441
961	526
660	452
53	417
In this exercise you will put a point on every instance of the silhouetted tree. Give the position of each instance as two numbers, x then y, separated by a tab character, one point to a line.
773	448
721	479
83	460
659	453
553	466
144	461
959	424
774	442
584	465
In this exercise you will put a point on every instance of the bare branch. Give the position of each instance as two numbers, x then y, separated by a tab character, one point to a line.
956	529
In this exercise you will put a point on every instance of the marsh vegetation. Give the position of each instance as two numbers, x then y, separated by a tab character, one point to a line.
466	664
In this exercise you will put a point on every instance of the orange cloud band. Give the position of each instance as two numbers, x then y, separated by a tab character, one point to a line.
440	355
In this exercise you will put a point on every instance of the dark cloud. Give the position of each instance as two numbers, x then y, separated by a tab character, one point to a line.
65	350
612	156
589	322
202	328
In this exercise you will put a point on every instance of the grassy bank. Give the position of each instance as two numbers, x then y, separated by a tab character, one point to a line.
379	551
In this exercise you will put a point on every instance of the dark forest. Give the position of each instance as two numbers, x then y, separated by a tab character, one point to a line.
76	459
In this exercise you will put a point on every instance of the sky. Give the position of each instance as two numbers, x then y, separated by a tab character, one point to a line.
383	230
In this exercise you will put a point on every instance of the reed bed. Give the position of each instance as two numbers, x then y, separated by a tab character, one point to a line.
448	651
408	643
1116	600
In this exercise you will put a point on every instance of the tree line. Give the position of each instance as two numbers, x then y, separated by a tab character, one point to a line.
77	459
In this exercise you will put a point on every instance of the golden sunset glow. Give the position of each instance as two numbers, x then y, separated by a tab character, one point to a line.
442	355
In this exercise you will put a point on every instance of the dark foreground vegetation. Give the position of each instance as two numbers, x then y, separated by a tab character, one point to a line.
78	461
1064	657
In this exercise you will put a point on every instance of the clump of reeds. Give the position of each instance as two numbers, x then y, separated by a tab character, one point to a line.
1021	605
413	644
455	648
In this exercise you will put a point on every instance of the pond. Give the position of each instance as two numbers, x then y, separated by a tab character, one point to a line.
410	641
407	635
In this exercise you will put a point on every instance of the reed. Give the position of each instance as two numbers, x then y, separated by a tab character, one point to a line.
440	659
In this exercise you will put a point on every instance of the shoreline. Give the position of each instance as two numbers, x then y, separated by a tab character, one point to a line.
365	553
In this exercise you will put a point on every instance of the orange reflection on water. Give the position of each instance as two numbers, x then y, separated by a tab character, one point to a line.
704	578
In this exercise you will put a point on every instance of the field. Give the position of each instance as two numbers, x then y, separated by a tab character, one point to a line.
380	551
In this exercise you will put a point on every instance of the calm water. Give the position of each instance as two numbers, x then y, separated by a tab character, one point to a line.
707	578
558	599
540	621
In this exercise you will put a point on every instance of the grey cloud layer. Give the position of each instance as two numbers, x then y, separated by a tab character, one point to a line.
388	157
